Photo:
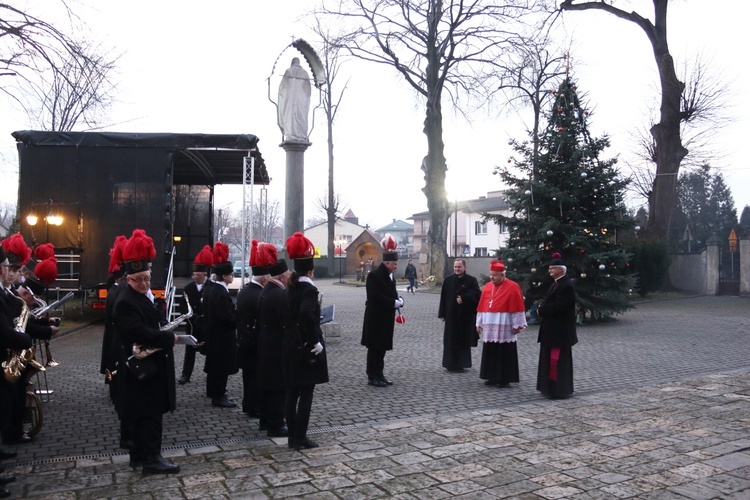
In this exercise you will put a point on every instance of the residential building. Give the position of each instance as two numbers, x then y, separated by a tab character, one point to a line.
345	231
469	235
403	232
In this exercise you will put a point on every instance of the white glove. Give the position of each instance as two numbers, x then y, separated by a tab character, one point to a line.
317	348
399	303
186	339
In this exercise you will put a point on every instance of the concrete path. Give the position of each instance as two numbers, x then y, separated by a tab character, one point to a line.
661	410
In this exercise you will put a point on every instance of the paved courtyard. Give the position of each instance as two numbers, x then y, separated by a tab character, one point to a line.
662	408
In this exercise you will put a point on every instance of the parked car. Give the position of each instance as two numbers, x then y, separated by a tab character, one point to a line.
238	269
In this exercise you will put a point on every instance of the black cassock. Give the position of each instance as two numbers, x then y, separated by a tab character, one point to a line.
460	333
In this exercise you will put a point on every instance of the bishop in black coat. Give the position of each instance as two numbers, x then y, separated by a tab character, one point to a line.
557	336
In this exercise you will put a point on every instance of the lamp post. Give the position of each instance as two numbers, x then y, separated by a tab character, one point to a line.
340	245
52	216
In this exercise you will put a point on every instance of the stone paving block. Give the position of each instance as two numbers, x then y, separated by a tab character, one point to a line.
404	484
695	492
726	483
555	492
462	487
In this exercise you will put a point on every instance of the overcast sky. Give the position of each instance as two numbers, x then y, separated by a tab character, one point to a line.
195	66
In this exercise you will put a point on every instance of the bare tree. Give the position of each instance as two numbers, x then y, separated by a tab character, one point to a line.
529	77
436	46
78	91
331	101
266	217
7	215
669	150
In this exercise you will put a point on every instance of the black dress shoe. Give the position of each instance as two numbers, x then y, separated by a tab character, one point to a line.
376	382
136	463
183	380
4	493
159	465
280	432
385	381
6	480
308	444
223	402
21	440
4	455
262	427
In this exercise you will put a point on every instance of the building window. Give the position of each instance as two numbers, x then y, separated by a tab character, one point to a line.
503	227
480	227
480	252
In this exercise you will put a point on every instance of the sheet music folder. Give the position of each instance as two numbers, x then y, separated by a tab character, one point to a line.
327	314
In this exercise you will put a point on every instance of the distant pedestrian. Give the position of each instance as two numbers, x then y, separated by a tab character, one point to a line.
557	334
459	298
410	273
380	313
500	317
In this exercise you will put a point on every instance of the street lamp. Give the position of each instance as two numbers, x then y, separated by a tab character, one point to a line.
341	256
53	216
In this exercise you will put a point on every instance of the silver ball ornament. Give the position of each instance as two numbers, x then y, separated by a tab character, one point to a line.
550	232
602	267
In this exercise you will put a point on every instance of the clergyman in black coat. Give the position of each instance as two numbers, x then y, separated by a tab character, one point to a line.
557	335
459	297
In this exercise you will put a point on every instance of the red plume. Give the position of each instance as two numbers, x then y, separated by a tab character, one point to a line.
221	252
17	246
115	254
140	246
205	257
46	271
388	243
267	255
254	254
556	255
44	251
298	246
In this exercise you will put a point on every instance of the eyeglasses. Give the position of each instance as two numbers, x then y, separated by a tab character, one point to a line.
139	280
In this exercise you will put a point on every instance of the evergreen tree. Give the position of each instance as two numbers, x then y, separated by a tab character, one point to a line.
704	208
570	202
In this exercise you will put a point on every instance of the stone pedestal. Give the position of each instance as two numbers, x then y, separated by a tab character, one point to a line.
331	330
294	202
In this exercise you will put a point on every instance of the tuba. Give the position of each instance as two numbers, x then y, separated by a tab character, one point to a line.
18	360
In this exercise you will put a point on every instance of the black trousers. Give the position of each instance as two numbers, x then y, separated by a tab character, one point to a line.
189	363
216	384
299	400
250	391
375	363
271	406
12	407
146	436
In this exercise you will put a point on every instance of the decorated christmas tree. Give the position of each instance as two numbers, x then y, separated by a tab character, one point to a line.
569	201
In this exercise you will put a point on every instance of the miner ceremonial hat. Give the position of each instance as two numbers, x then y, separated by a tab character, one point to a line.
389	248
116	266
262	257
266	257
16	250
138	252
556	260
222	266
498	266
203	261
302	250
44	267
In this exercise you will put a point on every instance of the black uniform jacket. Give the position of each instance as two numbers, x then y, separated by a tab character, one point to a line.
137	321
558	313
303	334
111	344
273	318
247	324
191	294
220	320
380	314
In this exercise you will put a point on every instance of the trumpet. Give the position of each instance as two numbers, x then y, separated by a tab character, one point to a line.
38	312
